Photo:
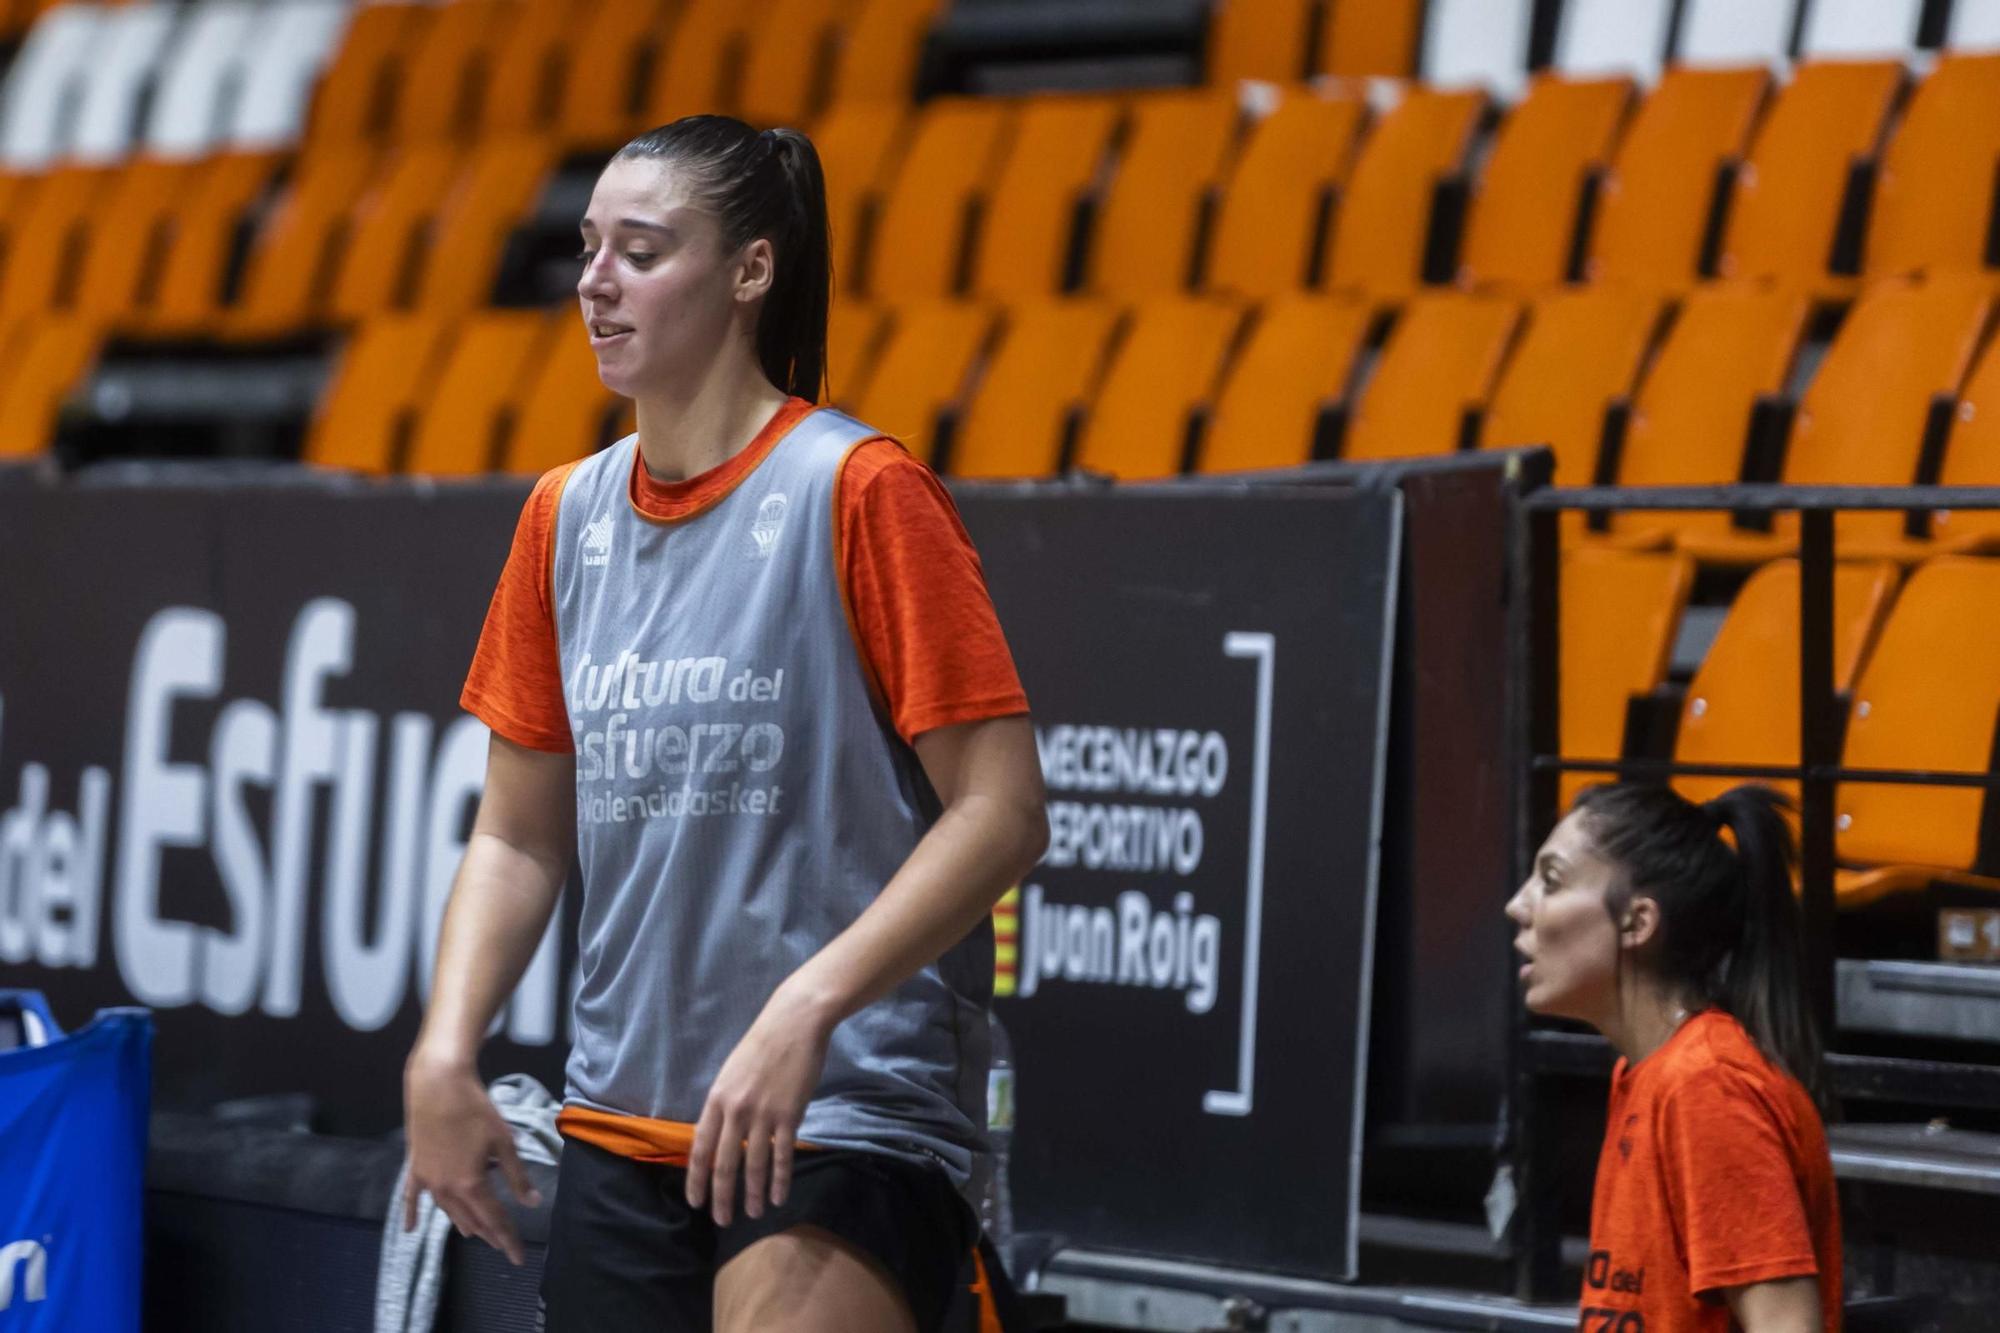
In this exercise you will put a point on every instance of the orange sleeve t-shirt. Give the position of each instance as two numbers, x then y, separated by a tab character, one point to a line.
1714	1174
915	596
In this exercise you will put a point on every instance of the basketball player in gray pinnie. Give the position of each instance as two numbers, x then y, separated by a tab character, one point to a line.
743	665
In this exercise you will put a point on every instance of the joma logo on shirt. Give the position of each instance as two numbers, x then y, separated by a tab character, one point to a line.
597	541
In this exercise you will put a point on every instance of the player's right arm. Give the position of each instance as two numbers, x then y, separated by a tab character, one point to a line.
506	888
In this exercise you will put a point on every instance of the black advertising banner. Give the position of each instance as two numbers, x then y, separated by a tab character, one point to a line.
1190	985
234	780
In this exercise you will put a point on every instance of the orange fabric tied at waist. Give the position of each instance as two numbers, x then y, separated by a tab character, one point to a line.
666	1142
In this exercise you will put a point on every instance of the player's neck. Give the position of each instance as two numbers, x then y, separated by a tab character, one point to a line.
687	429
1648	1016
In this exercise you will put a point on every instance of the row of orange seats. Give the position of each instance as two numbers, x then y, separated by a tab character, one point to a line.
1917	656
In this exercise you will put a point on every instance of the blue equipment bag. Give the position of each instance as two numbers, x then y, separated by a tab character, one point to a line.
72	1167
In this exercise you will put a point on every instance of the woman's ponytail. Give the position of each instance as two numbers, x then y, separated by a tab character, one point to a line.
765	184
1763	981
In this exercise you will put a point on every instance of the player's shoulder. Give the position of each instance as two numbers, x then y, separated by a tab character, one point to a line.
882	458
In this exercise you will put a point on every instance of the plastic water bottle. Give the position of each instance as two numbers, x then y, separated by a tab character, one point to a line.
996	1203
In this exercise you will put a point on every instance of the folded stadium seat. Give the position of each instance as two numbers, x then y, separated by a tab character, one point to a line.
1971	458
1045	368
699	69
1369	38
1785	216
45	235
1690	425
918	249
1617	615
1385	212
1655	204
476	398
1527	207
125	59
1742	707
43	83
567	413
1052	168
1933	206
1161	381
384	372
1277	211
787	70
1167	174
185	292
923	370
1478	43
42	361
1599	39
493	192
280	61
877	60
603	83
380	261
1438	366
356	98
853	331
1926	700
1258	39
529	70
447	76
1864	418
1278	402
291	261
130	236
859	145
1582	351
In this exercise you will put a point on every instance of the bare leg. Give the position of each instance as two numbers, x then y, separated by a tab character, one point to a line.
807	1280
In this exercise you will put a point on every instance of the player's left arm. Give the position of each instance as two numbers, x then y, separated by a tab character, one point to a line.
993	829
1786	1305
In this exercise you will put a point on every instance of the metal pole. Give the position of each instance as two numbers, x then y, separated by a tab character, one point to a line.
1819	747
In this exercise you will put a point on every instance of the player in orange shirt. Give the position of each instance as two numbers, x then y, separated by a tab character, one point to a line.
743	665
1671	928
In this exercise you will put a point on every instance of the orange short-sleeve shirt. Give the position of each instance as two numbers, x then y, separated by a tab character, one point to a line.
1714	1174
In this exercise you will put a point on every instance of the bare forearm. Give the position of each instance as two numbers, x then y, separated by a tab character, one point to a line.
499	907
978	849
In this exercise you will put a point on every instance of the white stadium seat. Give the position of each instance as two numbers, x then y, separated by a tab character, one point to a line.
191	108
1736	32
284	58
40	102
125	57
1482	43
1850	28
1603	38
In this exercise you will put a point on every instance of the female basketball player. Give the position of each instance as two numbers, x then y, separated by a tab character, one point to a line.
1670	927
745	664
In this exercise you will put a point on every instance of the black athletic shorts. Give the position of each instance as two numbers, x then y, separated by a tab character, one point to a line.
626	1251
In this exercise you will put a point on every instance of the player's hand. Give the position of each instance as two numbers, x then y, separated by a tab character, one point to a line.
751	1116
454	1132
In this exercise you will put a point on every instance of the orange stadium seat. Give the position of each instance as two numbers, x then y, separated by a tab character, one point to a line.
853	329
356	97
1863	418
1617	613
699	68
1690	423
1258	39
473	402
1583	349
1786	211
877	60
1440	362
919	247
1934	196
1378	243
1054	162
46	233
44	359
1276	214
531	67
1166	369
493	192
185	293
1294	367
601	102
380	261
286	277
383	374
1653	209
1172	162
448	78
567	412
788	71
1523	221
1370	38
133	226
859	146
923	369
1742	706
1045	368
1926	700
1972	458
